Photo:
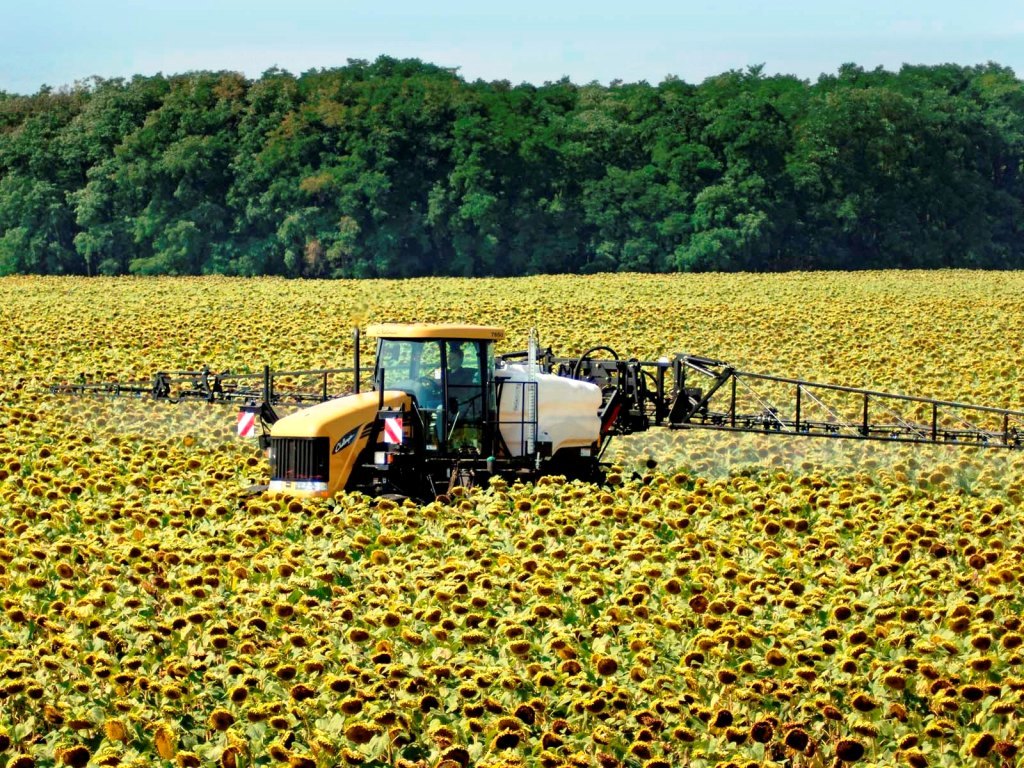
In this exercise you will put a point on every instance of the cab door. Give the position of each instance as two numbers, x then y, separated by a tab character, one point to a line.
470	396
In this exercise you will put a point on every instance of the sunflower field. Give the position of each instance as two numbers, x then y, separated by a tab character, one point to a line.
722	601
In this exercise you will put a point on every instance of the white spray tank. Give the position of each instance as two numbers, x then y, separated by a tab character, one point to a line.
543	407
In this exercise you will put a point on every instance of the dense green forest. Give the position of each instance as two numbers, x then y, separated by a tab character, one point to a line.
399	168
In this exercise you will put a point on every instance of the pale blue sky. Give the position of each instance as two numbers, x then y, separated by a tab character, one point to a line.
56	42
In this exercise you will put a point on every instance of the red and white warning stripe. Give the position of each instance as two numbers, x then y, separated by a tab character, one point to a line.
393	430
246	424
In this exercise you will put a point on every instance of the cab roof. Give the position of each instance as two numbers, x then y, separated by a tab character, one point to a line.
435	331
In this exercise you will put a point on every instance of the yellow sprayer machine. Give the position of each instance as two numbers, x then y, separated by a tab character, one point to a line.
446	409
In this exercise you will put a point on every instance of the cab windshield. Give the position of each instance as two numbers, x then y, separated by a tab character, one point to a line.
413	367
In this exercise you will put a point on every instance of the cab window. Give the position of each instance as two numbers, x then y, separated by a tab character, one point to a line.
413	367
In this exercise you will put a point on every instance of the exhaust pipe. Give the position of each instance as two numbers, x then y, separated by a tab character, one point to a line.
355	342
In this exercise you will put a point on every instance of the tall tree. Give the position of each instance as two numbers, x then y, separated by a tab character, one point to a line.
397	168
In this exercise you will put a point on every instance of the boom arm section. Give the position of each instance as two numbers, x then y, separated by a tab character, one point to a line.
270	387
764	403
257	393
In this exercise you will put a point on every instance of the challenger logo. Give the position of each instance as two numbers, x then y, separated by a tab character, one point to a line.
345	440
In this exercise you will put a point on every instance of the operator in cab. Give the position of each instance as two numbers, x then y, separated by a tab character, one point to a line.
465	395
458	374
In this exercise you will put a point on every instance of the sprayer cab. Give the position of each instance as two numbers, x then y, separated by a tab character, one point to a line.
448	370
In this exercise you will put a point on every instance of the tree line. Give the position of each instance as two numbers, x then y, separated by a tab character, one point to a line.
399	168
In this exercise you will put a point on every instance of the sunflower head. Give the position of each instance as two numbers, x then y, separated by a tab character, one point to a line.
762	732
849	750
361	732
76	756
981	745
221	719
